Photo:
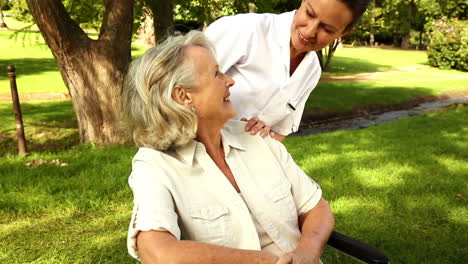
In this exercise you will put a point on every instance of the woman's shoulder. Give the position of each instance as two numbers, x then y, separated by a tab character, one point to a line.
236	130
156	158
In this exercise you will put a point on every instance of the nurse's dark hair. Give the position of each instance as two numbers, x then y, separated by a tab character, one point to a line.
357	7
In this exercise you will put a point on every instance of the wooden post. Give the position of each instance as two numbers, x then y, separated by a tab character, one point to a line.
17	110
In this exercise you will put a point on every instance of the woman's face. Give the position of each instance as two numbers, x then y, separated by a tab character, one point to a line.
317	23
210	96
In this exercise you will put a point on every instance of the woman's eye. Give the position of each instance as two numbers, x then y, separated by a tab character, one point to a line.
329	31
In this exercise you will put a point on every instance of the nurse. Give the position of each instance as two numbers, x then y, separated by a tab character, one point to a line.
272	60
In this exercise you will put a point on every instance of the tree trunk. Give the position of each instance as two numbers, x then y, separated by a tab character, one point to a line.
325	61
372	25
145	32
405	41
2	22
93	70
163	12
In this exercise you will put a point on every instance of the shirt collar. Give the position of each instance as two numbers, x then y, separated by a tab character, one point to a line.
229	140
187	151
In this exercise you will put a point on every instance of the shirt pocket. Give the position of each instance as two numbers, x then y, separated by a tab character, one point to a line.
278	109
210	224
283	202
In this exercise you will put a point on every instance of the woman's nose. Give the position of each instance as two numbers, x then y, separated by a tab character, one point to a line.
229	81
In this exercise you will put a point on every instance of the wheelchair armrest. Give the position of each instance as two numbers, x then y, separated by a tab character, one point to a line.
356	249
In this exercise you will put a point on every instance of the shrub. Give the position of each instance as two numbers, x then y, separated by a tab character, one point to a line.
448	47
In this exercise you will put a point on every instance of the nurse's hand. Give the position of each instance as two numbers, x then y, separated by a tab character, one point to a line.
297	258
255	125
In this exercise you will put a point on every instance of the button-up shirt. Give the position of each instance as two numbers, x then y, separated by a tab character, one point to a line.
254	50
183	192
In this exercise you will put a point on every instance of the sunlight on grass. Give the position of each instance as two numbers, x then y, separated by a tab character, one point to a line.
350	60
459	215
397	186
346	205
36	69
345	96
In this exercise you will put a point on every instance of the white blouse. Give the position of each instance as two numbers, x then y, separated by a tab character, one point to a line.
254	50
183	192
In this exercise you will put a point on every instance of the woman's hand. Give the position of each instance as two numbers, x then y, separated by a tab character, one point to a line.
255	125
297	258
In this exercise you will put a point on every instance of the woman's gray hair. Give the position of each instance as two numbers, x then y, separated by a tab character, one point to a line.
152	116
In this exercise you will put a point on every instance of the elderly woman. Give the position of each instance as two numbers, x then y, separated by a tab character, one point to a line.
206	191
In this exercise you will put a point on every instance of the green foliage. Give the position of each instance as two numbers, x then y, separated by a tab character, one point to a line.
21	12
206	11
448	46
87	13
5	4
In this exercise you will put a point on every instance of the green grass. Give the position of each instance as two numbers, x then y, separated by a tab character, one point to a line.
14	24
36	69
351	60
47	125
345	96
399	186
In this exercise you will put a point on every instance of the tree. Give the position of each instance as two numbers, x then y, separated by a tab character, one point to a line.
3	4
163	13
325	55
93	70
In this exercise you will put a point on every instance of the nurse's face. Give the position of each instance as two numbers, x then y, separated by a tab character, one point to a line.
317	23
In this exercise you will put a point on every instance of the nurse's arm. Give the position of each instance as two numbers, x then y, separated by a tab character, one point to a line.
162	247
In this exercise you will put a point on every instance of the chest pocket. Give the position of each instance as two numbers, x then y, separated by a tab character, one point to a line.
277	109
283	202
209	224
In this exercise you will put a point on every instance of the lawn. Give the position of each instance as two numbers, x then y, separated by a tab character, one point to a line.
333	97
349	60
399	186
36	69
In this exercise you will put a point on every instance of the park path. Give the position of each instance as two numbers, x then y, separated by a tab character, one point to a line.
412	73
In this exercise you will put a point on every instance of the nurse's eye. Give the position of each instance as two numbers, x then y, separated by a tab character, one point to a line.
328	30
217	74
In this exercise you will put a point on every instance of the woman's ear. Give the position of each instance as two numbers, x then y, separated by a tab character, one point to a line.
181	96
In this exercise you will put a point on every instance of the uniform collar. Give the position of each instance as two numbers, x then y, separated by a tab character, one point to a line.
283	32
230	140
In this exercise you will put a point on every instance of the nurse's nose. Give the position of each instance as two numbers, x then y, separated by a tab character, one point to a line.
310	32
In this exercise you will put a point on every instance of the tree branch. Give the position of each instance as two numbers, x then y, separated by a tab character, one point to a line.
118	21
56	25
